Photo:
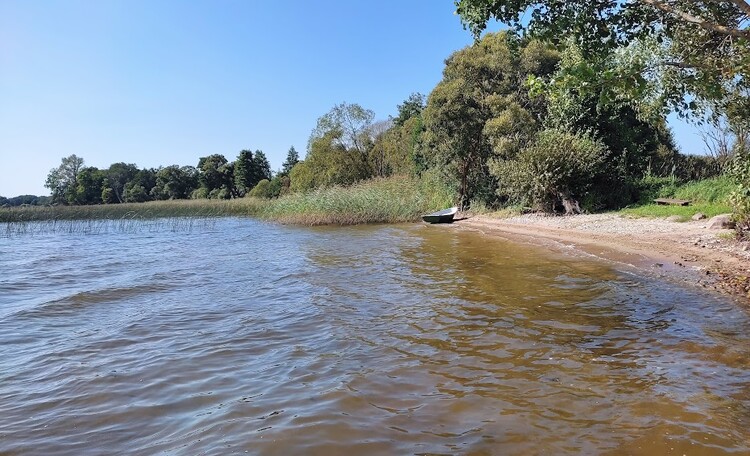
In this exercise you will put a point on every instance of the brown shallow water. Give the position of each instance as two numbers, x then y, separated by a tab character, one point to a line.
244	337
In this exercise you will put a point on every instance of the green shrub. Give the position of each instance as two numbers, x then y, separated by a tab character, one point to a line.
262	190
556	167
739	170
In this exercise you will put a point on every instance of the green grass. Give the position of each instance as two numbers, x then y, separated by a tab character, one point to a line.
709	191
658	211
391	200
708	196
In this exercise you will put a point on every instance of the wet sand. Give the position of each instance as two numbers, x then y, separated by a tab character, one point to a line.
686	251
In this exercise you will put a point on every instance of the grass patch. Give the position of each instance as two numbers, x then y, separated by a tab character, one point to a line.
657	211
708	191
708	196
713	190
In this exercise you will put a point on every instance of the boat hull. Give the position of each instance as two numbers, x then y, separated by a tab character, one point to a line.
438	218
444	216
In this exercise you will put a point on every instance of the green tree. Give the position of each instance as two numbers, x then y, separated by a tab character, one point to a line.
108	195
328	163
739	170
117	176
292	158
378	154
216	176
279	184
261	167
89	186
62	180
262	190
411	107
175	182
676	48
348	124
135	193
244	172
139	188
480	109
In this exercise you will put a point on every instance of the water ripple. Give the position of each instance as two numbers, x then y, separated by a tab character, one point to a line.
247	337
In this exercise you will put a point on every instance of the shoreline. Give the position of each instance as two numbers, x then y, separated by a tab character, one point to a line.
685	251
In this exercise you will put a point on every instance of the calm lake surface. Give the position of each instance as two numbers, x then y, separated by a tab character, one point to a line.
237	336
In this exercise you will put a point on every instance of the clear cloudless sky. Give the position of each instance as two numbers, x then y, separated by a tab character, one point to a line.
165	82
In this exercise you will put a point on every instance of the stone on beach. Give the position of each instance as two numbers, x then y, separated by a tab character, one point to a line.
721	222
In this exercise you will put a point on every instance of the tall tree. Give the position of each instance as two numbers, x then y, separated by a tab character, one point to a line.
378	153
63	179
411	107
348	123
174	182
138	189
244	175
481	108
117	176
328	163
210	172
261	166
89	186
292	158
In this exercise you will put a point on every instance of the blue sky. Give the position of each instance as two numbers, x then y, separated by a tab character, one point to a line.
166	82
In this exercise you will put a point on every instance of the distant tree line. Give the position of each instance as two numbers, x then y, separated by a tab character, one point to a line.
25	200
74	183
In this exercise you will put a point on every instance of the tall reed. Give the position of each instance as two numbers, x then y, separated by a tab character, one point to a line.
386	200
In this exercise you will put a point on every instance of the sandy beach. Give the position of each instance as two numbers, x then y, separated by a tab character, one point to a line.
686	251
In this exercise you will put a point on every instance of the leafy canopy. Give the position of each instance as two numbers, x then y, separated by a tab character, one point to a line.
665	49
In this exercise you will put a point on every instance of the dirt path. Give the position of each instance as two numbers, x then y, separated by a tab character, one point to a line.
688	250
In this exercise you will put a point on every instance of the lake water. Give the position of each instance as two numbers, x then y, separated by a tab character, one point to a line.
236	336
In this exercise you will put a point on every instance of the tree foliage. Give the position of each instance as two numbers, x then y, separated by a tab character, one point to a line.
481	108
117	176
411	107
216	176
292	158
329	163
175	182
63	180
348	124
556	169
739	170
262	190
668	49
244	177
89	186
261	167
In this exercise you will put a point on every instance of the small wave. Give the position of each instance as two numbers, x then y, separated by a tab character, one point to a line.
84	300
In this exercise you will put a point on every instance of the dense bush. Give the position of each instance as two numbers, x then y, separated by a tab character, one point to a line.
262	190
739	170
556	168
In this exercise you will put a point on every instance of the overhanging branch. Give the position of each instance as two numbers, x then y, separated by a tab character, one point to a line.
742	5
707	25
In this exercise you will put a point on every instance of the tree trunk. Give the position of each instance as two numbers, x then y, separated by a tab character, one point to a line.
571	205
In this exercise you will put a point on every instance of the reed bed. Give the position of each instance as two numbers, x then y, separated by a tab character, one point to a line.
388	200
